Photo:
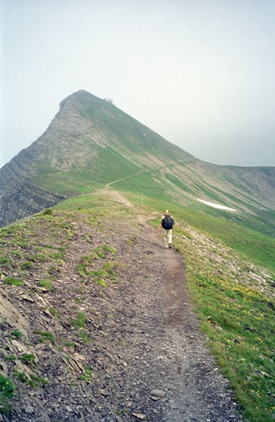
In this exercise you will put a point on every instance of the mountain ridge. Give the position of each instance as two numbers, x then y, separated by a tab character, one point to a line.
90	143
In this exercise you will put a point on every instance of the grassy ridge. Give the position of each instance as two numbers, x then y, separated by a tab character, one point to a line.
232	297
240	235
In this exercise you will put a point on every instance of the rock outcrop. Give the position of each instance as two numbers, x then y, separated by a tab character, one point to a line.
19	195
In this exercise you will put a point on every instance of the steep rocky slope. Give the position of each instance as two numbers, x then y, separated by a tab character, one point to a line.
20	196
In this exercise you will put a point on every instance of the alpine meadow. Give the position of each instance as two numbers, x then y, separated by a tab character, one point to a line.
82	260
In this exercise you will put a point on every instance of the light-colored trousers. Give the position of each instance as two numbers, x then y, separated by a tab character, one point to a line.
167	236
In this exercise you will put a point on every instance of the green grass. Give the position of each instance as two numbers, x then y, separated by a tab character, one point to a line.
54	312
238	320
7	390
177	182
45	336
4	261
28	359
13	281
79	321
87	376
70	344
36	257
69	183
144	184
56	255
25	265
99	276
36	382
84	336
46	284
95	268
10	358
238	235
16	333
79	182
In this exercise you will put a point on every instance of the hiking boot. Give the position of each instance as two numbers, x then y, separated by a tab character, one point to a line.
170	246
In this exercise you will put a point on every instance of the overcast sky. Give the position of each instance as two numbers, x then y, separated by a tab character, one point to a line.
201	73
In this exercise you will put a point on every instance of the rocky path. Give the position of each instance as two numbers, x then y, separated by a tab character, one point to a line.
144	357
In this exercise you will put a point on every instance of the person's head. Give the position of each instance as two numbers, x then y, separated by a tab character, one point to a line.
166	212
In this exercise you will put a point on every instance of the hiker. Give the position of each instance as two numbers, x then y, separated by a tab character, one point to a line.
167	223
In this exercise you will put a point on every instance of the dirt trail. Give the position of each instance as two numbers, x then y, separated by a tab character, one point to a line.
179	363
169	376
116	196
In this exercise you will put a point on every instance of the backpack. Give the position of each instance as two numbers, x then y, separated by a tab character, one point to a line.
167	222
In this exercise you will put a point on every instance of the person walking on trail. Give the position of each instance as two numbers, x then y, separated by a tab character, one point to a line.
167	223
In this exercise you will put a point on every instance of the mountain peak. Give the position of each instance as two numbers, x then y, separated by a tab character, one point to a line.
80	97
80	94
91	144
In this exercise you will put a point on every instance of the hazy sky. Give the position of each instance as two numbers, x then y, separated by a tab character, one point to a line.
201	73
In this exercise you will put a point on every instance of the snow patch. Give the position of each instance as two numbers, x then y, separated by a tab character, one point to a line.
220	207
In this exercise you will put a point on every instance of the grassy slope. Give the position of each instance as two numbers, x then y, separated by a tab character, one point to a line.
166	186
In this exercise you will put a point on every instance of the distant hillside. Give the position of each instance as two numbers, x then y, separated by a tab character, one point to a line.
91	143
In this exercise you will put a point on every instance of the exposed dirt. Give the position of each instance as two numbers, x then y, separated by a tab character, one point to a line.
144	357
